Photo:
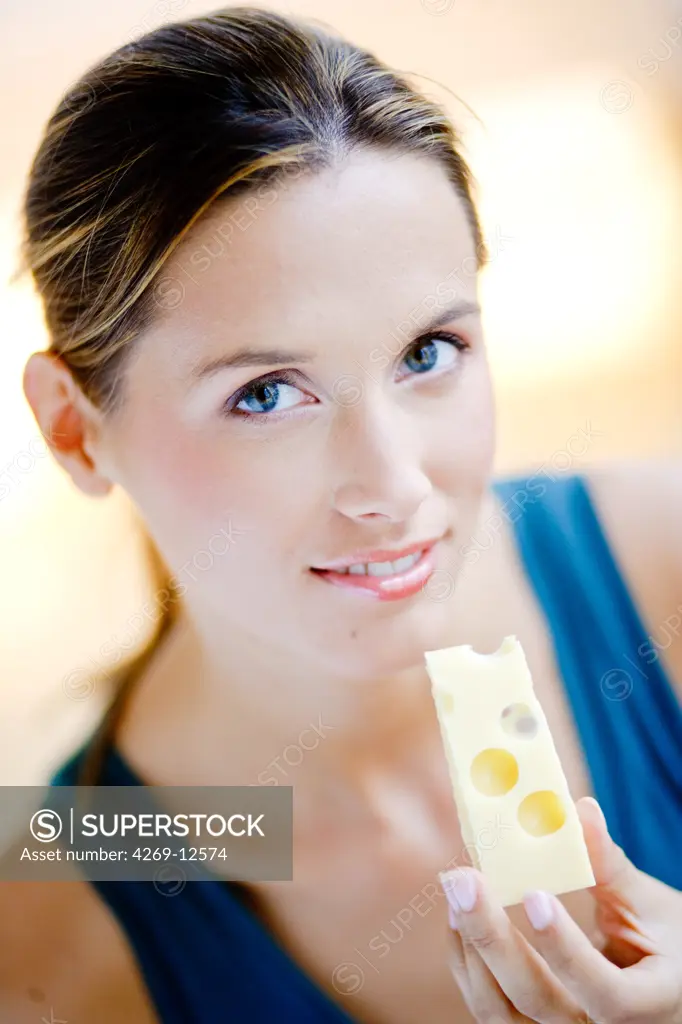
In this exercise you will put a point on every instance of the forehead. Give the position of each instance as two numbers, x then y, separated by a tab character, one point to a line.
364	241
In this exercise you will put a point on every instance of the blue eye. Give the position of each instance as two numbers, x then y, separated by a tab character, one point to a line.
268	396
438	351
423	357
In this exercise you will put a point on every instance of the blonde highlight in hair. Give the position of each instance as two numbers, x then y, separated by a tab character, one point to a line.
170	124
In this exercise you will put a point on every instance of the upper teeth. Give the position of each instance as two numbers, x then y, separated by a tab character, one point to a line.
383	568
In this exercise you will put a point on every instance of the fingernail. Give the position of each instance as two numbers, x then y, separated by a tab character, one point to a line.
540	909
460	889
598	810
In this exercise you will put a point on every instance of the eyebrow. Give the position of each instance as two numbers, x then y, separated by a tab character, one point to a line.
456	311
251	357
281	357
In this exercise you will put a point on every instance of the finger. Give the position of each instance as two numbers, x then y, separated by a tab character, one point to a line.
518	970
486	999
622	890
613	871
456	957
603	989
482	994
621	942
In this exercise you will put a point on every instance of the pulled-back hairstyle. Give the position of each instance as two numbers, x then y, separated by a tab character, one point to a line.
146	140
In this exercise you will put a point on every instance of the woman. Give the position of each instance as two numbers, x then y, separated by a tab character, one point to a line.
256	249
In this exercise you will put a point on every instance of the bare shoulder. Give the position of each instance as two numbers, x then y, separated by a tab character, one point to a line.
640	507
64	958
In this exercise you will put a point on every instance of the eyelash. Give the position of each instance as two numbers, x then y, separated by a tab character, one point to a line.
287	376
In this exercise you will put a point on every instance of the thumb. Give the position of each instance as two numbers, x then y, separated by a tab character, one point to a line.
623	892
629	901
612	869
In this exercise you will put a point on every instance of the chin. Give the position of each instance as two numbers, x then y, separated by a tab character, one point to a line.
397	643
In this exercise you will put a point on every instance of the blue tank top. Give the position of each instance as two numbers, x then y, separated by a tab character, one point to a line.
204	954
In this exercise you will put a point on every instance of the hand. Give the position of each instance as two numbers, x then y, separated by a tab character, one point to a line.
636	977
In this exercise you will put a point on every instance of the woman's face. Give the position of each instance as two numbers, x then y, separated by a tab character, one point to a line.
315	391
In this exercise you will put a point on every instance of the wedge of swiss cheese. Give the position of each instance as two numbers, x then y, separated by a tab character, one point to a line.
518	820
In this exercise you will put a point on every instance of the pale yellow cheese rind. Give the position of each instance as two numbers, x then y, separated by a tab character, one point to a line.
471	691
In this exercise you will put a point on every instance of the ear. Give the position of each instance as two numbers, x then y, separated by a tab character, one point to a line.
70	424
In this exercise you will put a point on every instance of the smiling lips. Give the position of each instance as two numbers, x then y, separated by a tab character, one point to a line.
384	575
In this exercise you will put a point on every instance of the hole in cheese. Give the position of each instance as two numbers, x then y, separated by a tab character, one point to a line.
494	771
519	720
541	813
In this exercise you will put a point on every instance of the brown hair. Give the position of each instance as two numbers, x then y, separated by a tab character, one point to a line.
146	140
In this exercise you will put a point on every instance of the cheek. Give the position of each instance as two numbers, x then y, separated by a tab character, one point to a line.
480	416
171	475
194	488
466	440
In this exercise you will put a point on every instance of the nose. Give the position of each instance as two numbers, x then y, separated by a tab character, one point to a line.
377	465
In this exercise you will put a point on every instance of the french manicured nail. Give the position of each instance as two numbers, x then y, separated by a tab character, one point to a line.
539	909
597	810
460	889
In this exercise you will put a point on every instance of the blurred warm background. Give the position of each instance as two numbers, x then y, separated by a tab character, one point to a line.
572	119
